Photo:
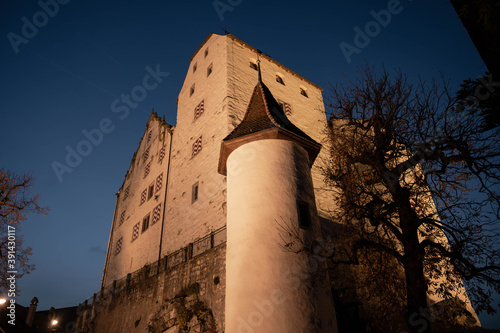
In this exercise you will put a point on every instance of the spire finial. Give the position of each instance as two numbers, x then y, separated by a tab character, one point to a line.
258	67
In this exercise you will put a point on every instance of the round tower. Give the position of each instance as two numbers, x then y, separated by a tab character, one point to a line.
270	203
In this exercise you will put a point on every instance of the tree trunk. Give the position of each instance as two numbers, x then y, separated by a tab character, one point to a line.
416	291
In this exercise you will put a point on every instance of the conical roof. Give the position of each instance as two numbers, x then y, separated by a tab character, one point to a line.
265	119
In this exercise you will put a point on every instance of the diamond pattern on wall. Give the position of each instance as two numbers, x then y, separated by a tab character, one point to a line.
159	182
135	231
162	154
118	246
156	214
143	196
199	110
149	135
197	145
146	170
146	155
127	192
122	217
288	109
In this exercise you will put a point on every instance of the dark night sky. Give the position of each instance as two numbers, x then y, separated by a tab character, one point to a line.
67	75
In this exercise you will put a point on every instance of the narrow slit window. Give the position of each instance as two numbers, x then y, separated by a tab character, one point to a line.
209	70
151	191
206	52
253	65
191	91
194	192
279	79
195	67
145	223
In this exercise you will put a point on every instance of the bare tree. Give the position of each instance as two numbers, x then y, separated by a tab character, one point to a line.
415	181
16	203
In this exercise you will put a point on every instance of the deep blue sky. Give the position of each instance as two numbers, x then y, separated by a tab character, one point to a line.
65	78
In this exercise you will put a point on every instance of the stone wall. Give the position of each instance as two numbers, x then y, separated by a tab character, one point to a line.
188	297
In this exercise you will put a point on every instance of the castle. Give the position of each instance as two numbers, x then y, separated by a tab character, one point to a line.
197	215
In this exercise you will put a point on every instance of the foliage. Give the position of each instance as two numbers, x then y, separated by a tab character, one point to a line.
418	183
16	203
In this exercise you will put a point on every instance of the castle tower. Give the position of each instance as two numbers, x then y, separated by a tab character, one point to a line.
270	195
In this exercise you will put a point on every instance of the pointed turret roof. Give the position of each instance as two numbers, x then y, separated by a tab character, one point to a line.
265	117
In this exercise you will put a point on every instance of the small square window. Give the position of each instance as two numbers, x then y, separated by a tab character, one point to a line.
253	65
303	92
127	192
118	246
287	108
156	214
209	70
135	231
159	182
199	109
122	218
195	67
279	79
194	192
197	145
151	189
191	91
145	223
304	214
147	169
206	52
162	154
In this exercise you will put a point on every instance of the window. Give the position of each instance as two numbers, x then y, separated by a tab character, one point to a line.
127	192
303	92
198	110
206	52
194	192
191	91
279	79
145	223
209	70
197	145
162	154
151	189
147	169
143	196
195	67
122	218
156	214
287	108
253	65
159	182
135	231
304	214
118	246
